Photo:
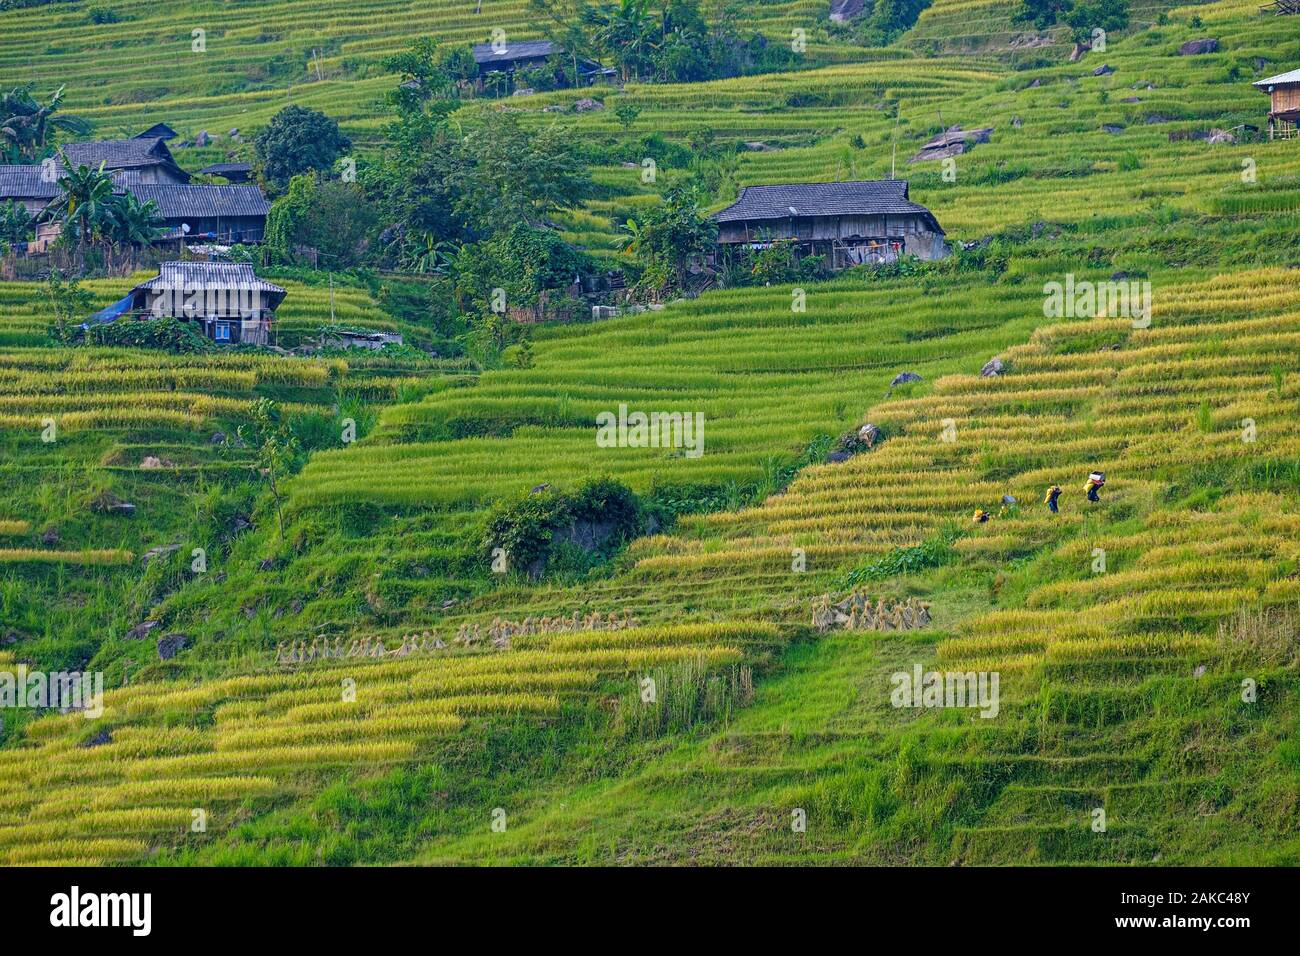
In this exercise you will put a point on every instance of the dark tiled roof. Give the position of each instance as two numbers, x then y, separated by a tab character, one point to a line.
122	154
484	55
221	169
203	202
158	131
878	197
210	275
25	182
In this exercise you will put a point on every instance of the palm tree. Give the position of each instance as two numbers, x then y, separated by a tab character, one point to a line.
26	125
86	204
627	31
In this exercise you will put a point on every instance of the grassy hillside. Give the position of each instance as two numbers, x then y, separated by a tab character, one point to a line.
1146	644
257	58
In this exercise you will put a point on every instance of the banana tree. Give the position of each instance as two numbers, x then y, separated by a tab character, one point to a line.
26	125
85	205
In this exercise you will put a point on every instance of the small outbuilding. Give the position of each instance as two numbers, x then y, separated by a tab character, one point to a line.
530	55
851	224
1284	108
158	131
236	173
509	57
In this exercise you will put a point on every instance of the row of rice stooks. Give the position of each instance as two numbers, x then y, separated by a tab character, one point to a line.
857	612
498	634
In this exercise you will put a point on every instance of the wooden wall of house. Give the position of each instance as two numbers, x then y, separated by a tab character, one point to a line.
1286	98
819	228
158	176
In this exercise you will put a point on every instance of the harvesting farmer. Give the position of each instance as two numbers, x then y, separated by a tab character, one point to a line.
1053	493
1095	482
980	516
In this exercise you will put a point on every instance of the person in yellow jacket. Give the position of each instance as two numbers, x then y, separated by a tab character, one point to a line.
1095	482
1053	493
980	516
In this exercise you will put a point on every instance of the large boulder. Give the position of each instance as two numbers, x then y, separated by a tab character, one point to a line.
1197	47
171	645
843	11
162	551
109	504
903	377
98	740
141	630
992	368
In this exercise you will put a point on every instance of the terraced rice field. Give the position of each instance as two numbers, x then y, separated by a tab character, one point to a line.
131	782
253	62
1145	643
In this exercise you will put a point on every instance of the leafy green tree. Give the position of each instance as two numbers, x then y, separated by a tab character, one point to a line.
15	221
1042	13
423	75
296	141
69	303
1089	15
569	29
502	174
27	125
338	222
626	112
523	261
672	235
278	450
286	214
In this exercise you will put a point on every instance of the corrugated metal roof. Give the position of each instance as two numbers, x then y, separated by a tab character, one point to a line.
485	55
877	197
180	276
26	182
210	273
1291	77
203	202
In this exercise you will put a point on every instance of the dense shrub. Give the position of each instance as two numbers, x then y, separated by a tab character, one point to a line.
531	528
166	334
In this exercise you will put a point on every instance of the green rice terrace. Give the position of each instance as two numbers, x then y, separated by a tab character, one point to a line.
406	606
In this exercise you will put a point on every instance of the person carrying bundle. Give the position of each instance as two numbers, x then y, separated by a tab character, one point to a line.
1053	493
980	516
1095	482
